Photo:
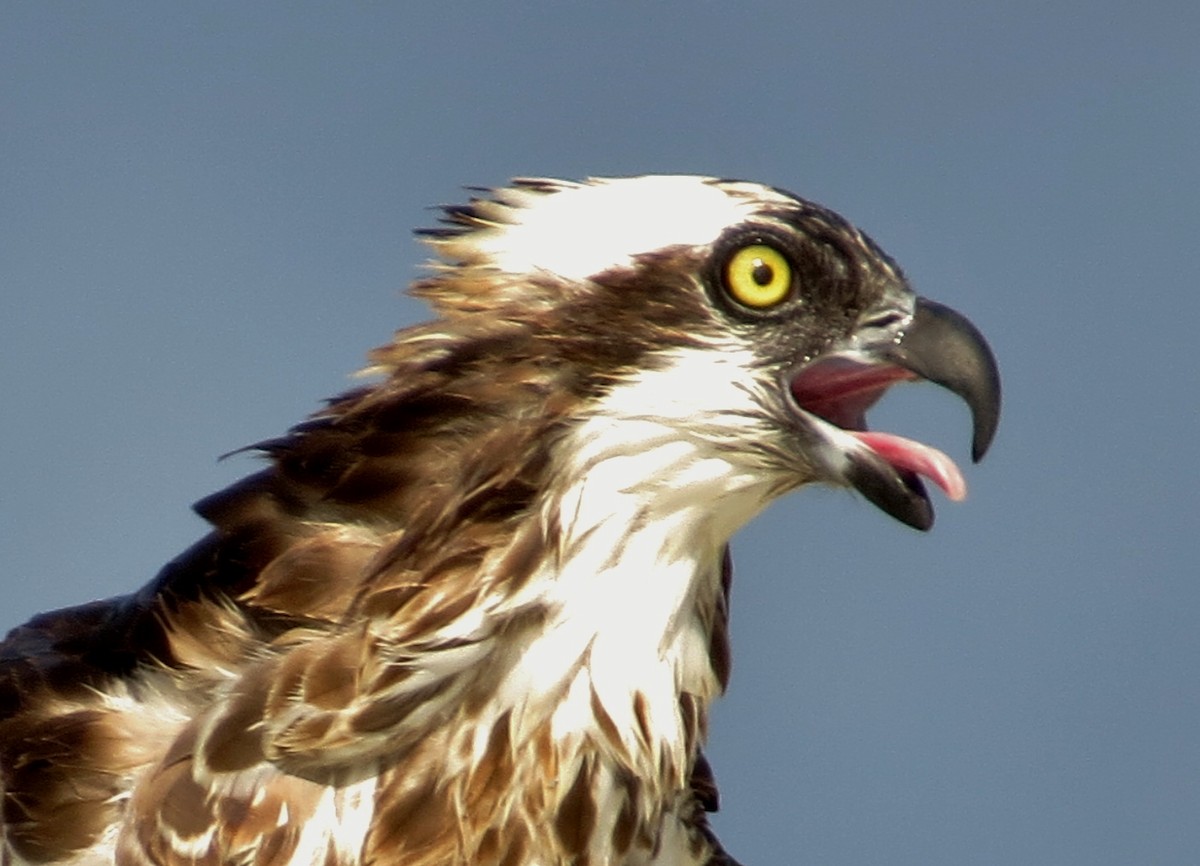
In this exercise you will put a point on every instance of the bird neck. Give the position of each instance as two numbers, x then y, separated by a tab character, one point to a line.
633	639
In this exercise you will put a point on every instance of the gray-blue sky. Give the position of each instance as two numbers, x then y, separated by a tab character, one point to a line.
205	216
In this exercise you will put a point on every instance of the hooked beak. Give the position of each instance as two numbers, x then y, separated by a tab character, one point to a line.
833	391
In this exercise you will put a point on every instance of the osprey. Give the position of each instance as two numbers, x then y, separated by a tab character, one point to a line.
476	612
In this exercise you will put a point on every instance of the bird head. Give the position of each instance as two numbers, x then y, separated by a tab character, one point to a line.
739	315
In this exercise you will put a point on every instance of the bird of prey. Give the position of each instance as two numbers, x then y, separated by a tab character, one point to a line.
476	611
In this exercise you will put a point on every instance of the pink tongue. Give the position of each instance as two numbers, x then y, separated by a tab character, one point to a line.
916	457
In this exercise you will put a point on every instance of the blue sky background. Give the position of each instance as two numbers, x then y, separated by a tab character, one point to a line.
205	217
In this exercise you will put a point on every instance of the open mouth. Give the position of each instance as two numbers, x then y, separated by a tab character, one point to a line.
830	396
839	391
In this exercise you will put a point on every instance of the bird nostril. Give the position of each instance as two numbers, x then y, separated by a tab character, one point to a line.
883	320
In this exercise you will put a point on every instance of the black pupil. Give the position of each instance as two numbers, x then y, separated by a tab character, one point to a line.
762	273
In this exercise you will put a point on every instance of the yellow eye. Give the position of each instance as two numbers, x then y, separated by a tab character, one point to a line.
758	276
